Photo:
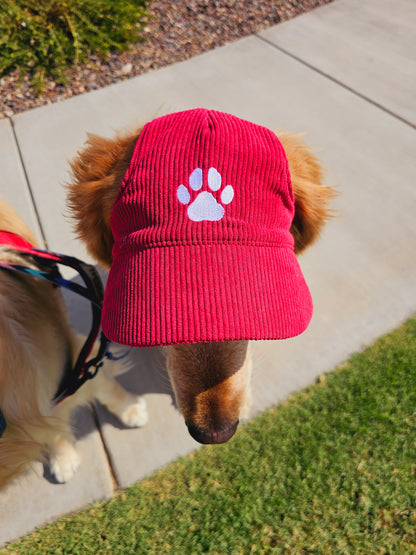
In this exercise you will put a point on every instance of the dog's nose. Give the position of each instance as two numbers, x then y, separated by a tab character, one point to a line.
204	436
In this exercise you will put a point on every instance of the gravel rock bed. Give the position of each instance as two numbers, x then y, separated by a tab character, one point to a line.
176	30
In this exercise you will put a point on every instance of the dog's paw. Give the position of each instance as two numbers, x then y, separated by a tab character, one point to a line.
205	206
134	414
63	463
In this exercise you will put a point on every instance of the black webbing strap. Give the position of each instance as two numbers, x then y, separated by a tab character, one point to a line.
93	291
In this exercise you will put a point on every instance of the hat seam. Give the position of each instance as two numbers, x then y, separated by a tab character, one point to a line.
163	244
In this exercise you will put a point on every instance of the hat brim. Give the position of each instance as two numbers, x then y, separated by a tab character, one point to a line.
200	293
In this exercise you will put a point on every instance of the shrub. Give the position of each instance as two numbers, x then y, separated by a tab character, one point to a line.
43	37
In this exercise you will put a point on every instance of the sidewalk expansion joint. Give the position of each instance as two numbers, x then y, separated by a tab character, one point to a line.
336	81
32	198
105	449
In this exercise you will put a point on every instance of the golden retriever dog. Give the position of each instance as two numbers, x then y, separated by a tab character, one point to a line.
36	344
211	380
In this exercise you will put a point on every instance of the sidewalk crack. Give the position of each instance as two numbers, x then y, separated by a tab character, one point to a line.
32	198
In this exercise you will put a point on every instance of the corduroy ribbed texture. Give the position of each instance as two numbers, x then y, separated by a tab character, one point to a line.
202	248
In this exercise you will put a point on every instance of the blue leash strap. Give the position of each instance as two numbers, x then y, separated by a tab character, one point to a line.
3	424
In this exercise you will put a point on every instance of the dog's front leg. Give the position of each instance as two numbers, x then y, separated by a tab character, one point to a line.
129	408
62	454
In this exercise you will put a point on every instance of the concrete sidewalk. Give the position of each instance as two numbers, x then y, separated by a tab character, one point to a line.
344	73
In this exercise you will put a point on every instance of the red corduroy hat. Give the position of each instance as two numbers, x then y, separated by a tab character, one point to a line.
202	247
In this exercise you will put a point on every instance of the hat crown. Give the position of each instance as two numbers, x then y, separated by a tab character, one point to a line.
202	244
204	177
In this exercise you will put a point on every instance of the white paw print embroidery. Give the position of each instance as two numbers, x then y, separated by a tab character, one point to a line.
205	207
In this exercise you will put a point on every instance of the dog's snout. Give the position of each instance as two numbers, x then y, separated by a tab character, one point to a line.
205	436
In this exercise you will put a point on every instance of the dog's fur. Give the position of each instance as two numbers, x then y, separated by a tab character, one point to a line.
210	380
35	343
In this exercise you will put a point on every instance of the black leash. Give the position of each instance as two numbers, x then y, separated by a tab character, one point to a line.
93	291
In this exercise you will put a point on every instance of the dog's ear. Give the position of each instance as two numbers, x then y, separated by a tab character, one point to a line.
312	197
97	173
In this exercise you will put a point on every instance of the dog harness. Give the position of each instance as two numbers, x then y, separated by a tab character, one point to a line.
3	424
93	291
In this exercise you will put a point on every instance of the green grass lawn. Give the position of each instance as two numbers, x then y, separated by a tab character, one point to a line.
330	471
